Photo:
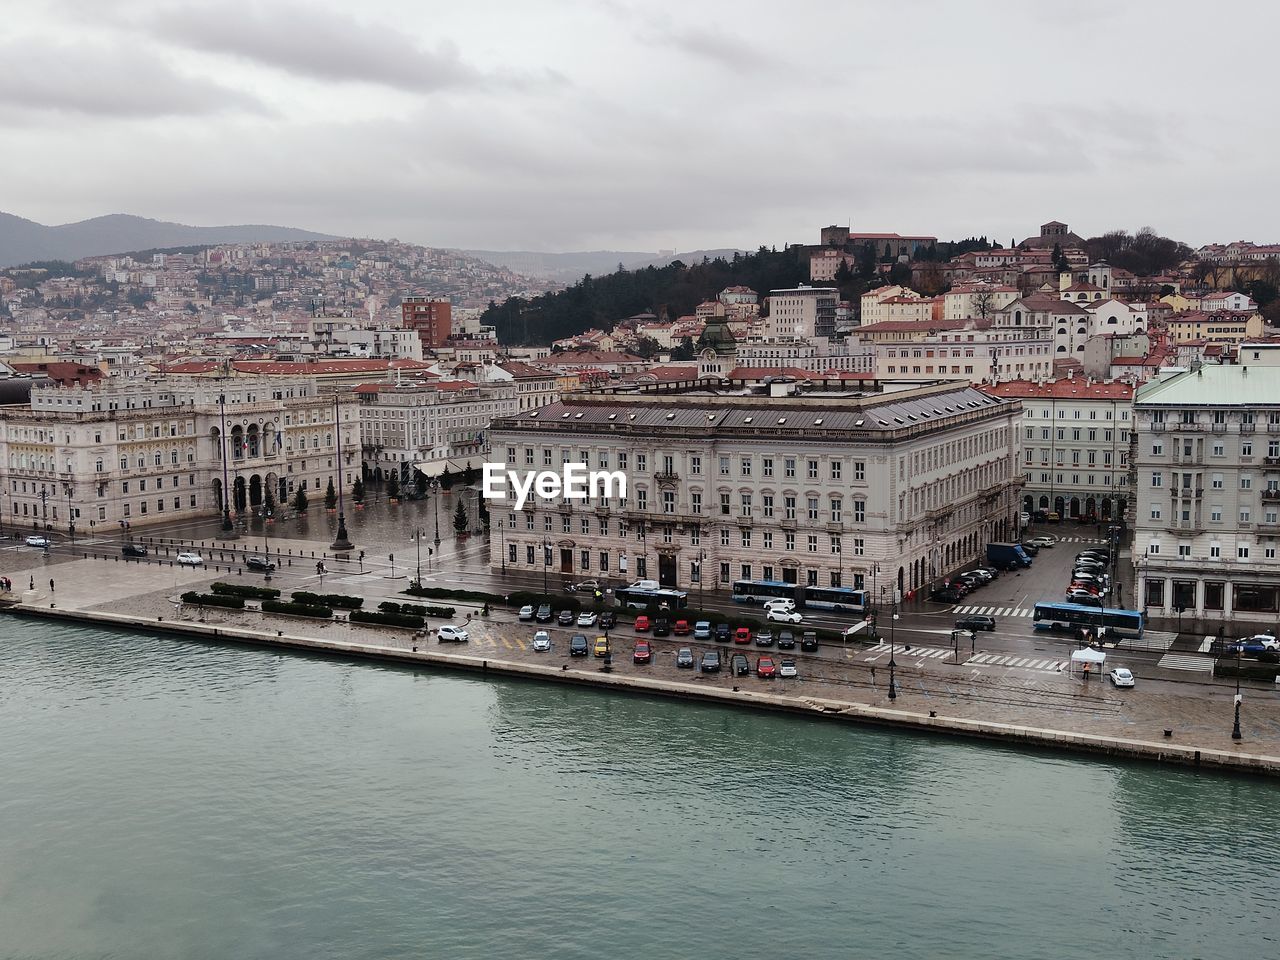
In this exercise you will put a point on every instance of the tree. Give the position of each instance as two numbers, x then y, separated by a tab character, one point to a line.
357	490
330	496
684	350
300	501
984	301
482	511
446	479
647	347
393	485
460	521
269	502
419	483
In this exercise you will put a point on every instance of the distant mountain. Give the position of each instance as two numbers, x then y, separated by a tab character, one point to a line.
570	267
22	241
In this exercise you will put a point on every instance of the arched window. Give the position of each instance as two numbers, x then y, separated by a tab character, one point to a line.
97	465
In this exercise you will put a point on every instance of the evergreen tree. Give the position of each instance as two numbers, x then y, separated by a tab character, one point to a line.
419	483
330	496
393	485
357	490
269	502
460	522
300	501
446	480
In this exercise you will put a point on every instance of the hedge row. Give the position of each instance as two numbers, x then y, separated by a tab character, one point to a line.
417	610
387	619
243	590
212	600
298	609
338	600
443	593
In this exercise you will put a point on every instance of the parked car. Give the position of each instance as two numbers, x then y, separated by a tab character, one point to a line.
783	616
739	665
702	630
601	648
643	653
780	603
1121	677
684	658
710	662
809	641
946	595
1268	641
662	627
976	622
1098	553
38	541
578	646
1252	645
1052	516
764	638
1084	598
565	618
642	624
256	562
608	620
766	669
190	560
1030	549
544	613
133	550
526	612
723	633
787	669
541	641
742	635
452	634
1041	542
681	628
786	640
586	619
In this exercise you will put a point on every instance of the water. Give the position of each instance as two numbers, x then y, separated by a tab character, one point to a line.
166	799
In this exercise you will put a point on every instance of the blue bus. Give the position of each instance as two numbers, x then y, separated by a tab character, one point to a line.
760	591
642	598
1071	617
834	598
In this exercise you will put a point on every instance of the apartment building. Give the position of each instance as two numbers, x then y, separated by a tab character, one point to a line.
1206	469
979	356
151	450
816	484
1075	445
803	313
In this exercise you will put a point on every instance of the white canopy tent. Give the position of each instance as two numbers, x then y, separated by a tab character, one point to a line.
1089	659
432	469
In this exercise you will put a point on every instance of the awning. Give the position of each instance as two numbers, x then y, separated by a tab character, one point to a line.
1086	655
435	468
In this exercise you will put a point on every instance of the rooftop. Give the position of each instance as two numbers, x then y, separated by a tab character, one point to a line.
1072	388
1215	385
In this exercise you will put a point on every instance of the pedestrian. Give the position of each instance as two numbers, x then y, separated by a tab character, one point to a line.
873	674
51	584
33	582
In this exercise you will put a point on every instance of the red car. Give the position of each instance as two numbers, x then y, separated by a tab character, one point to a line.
742	635
681	628
765	668
643	654
642	623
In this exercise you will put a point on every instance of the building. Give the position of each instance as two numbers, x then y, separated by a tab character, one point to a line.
433	319
975	355
141	451
980	300
814	483
803	313
1225	327
1206	469
1075	445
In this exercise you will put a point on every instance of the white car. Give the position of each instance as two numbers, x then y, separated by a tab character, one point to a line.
586	586
542	641
645	585
1042	542
783	616
1268	641
788	670
451	634
780	603
526	612
190	560
35	541
1121	677
586	619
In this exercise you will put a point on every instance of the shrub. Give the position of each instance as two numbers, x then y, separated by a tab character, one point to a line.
297	609
244	590
386	619
443	593
328	599
213	600
417	610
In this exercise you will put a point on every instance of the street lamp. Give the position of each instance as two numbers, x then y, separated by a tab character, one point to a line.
342	543
71	515
700	563
1235	730
435	506
228	529
875	571
546	554
893	686
417	545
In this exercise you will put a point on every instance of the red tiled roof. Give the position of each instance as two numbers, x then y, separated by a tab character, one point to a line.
908	326
1074	387
304	368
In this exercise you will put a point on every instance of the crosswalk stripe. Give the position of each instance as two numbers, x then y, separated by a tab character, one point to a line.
1184	661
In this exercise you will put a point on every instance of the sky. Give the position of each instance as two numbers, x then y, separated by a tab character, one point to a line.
611	124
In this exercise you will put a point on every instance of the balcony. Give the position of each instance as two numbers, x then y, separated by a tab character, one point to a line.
1158	427
1188	529
788	524
835	526
1219	428
1247	428
1273	428
1272	495
666	477
602	510
1271	461
744	520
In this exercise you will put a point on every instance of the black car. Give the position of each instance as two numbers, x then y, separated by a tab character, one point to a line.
608	620
946	596
723	633
740	665
662	627
684	658
1030	549
578	646
566	618
1083	599
710	662
976	622
544	613
809	641
764	638
133	550
786	640
259	563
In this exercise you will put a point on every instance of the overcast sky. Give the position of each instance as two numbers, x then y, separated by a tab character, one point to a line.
585	124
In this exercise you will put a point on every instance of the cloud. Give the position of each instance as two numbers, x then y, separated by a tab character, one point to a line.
105	80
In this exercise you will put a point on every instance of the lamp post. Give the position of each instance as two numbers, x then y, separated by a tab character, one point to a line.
71	516
228	529
417	545
502	538
435	506
546	553
701	562
893	685
875	572
44	506
342	542
1235	730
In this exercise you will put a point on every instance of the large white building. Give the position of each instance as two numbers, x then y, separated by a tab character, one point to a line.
1206	465
803	313
979	356
810	483
148	450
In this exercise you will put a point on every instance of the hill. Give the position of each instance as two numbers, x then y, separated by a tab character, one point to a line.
22	240
570	267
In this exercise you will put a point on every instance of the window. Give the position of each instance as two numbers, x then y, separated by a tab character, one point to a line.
745	570
1216	481
836	504
746	538
695	465
1246	448
789	467
604	561
1242	551
1219	450
724	536
695	501
1246	481
859	547
1157	449
1157	479
746	466
642	500
859	470
789	505
724	466
767	466
859	511
1155	512
746	504
1215	550
724	572
789	541
835	543
668	501
812	512
724	504
836	469
1215	513
642	463
813	469
768	540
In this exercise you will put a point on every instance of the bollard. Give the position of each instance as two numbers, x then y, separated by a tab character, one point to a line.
933	713
1168	733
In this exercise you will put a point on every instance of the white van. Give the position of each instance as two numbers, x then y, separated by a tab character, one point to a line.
645	585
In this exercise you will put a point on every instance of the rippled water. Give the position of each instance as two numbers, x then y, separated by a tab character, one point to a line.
165	799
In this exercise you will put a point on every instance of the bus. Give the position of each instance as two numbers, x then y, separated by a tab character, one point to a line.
642	598
834	598
760	591
1074	616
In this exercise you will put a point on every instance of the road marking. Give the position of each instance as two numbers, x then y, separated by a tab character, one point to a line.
1186	661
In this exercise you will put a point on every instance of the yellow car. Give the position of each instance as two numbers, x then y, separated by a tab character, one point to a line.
602	646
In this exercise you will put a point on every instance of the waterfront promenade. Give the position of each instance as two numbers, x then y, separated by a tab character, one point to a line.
1041	706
